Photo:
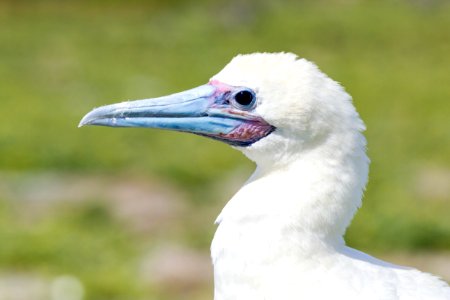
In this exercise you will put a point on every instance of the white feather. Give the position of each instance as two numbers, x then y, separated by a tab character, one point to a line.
281	235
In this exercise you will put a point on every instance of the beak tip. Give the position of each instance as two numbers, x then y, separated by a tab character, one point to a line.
87	120
100	115
83	122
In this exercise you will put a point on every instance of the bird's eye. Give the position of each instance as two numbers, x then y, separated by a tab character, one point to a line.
244	99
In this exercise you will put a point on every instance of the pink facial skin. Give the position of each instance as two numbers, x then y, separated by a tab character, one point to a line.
252	127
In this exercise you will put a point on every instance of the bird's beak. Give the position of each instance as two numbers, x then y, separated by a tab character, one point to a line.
205	110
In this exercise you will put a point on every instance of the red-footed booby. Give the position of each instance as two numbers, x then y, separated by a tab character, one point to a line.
281	235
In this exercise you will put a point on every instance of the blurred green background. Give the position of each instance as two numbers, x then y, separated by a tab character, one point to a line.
97	213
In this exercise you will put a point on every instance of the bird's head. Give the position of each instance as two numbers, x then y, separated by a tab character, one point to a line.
262	103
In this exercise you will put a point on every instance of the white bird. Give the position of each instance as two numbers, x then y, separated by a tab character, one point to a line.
281	235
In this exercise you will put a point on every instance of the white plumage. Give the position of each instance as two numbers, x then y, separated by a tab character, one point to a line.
281	236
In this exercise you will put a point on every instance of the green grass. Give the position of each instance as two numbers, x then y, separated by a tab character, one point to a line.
60	59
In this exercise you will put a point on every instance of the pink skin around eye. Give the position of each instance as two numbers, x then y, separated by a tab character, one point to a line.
221	87
251	130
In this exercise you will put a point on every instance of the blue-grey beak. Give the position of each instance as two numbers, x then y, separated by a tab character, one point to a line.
210	110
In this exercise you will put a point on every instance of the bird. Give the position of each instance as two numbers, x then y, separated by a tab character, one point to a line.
281	235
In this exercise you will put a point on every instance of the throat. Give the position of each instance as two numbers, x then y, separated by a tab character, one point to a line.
289	216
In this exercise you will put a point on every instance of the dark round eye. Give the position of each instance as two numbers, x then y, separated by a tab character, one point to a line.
244	99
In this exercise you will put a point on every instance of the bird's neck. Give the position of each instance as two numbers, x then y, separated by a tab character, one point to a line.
300	209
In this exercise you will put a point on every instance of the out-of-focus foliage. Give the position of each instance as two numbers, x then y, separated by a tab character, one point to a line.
59	59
